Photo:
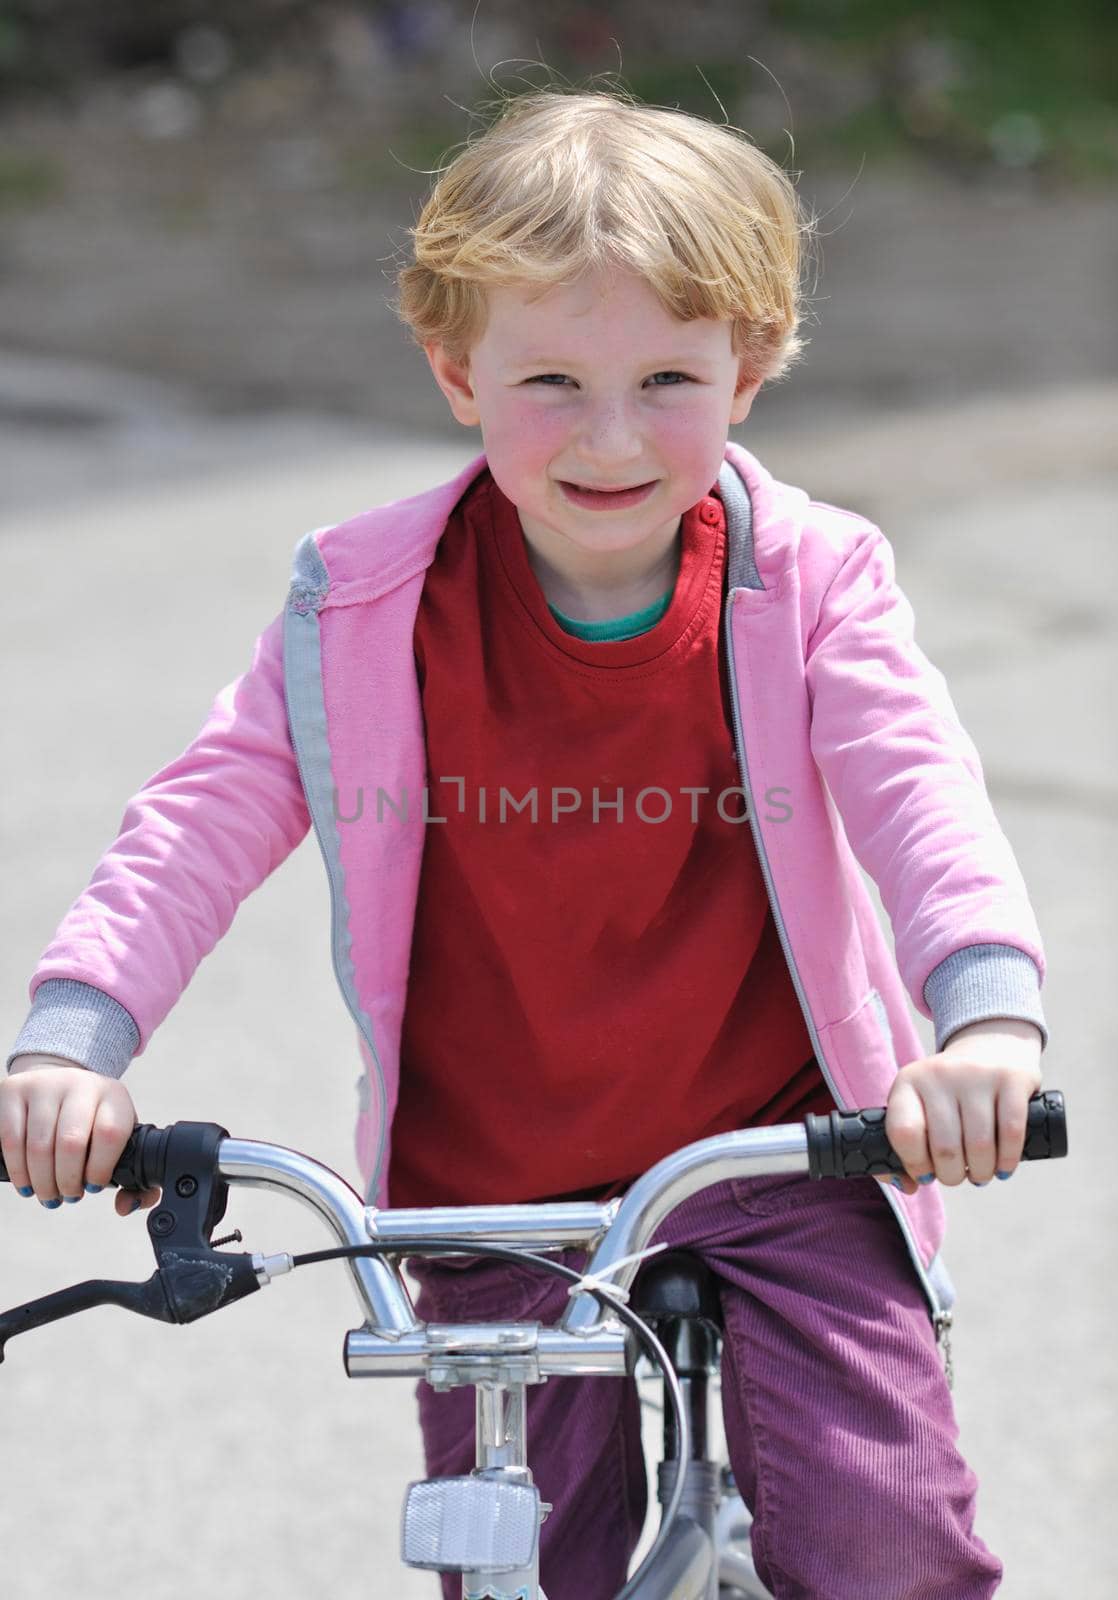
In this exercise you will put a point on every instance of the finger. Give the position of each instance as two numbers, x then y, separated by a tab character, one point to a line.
13	1129
899	1180
42	1119
979	1142
906	1130
71	1142
945	1136
129	1201
1012	1116
112	1124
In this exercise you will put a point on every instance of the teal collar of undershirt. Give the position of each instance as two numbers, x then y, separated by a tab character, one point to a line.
637	622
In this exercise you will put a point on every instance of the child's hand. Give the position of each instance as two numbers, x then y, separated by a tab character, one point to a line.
62	1127
962	1113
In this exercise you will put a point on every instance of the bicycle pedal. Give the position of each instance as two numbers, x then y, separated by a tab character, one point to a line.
471	1524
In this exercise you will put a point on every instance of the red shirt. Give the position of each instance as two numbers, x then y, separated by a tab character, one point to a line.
596	977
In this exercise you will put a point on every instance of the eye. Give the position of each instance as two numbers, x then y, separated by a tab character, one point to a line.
554	380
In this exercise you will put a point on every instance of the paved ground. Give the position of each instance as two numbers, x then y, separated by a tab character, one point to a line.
234	1456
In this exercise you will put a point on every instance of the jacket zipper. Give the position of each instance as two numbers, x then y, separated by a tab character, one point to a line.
382	1094
941	1317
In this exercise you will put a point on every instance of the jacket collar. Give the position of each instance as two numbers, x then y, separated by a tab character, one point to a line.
405	535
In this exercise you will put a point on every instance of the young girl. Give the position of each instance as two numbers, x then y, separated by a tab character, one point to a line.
594	738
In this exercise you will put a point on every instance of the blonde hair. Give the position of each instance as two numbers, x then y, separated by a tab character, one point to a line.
564	182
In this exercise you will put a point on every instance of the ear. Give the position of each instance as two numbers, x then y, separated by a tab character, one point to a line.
744	395
453	378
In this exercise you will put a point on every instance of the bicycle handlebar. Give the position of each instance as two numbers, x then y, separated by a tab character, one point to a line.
841	1144
194	1162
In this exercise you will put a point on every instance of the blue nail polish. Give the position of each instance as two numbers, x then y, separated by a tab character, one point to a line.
94	1188
897	1183
71	1199
26	1193
51	1205
928	1177
1003	1175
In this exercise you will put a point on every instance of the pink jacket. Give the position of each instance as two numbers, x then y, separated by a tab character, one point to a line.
849	748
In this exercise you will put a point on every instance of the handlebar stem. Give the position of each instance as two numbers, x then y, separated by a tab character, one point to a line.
493	1352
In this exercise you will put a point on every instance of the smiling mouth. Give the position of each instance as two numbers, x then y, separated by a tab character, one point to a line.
612	488
591	500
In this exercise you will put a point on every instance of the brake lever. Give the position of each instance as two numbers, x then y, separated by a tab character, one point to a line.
191	1277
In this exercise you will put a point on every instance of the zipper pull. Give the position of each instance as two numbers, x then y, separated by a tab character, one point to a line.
943	1321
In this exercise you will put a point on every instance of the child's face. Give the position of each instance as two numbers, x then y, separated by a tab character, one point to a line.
597	386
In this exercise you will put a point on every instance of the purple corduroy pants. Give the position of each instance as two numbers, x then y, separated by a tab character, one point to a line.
839	1422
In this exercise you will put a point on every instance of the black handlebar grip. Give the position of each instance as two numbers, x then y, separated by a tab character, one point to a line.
852	1144
142	1161
1046	1132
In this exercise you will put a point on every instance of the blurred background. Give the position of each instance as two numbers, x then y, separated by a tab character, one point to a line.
202	208
217	194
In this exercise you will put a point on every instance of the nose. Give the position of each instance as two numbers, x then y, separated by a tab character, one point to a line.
609	436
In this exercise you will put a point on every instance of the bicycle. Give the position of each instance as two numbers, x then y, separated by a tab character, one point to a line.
486	1526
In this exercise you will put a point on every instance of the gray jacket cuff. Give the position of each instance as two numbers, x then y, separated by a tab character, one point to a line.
981	982
73	1019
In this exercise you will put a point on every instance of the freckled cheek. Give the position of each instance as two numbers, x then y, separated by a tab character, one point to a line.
528	436
688	440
